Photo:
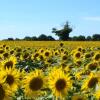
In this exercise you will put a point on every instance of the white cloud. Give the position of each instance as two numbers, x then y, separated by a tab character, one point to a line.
97	18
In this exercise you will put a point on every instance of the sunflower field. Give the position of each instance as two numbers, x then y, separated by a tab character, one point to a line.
49	70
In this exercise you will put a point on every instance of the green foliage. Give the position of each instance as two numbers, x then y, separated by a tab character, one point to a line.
63	34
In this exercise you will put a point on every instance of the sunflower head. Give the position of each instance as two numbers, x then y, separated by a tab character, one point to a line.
47	53
90	82
59	84
77	55
97	57
33	83
92	66
61	44
64	57
8	64
6	55
1	51
10	79
87	55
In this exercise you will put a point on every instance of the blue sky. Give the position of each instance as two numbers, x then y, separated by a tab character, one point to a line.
20	18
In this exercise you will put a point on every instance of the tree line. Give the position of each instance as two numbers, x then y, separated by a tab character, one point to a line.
63	35
43	37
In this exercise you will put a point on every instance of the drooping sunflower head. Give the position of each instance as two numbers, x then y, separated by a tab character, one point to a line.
90	82
25	56
92	66
5	55
18	49
2	51
10	62
97	57
78	62
40	57
79	49
12	52
87	55
35	56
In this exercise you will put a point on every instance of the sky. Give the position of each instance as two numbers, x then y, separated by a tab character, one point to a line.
20	18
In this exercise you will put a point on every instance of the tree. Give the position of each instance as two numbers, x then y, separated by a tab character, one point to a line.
81	38
17	39
96	37
43	37
34	38
88	38
27	38
63	34
50	38
10	39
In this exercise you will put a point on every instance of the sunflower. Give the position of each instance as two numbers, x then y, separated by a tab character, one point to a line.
56	53
25	56
97	56
78	62
35	56
87	56
92	66
47	53
62	50
79	49
33	83
77	55
61	44
40	57
12	52
12	78
90	82
64	57
1	51
5	55
41	50
5	92
9	63
59	84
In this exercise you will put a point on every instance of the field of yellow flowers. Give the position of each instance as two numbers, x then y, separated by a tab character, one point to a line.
44	70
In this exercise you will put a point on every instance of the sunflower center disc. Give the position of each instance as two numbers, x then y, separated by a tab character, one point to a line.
92	82
60	84
10	79
9	64
36	84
